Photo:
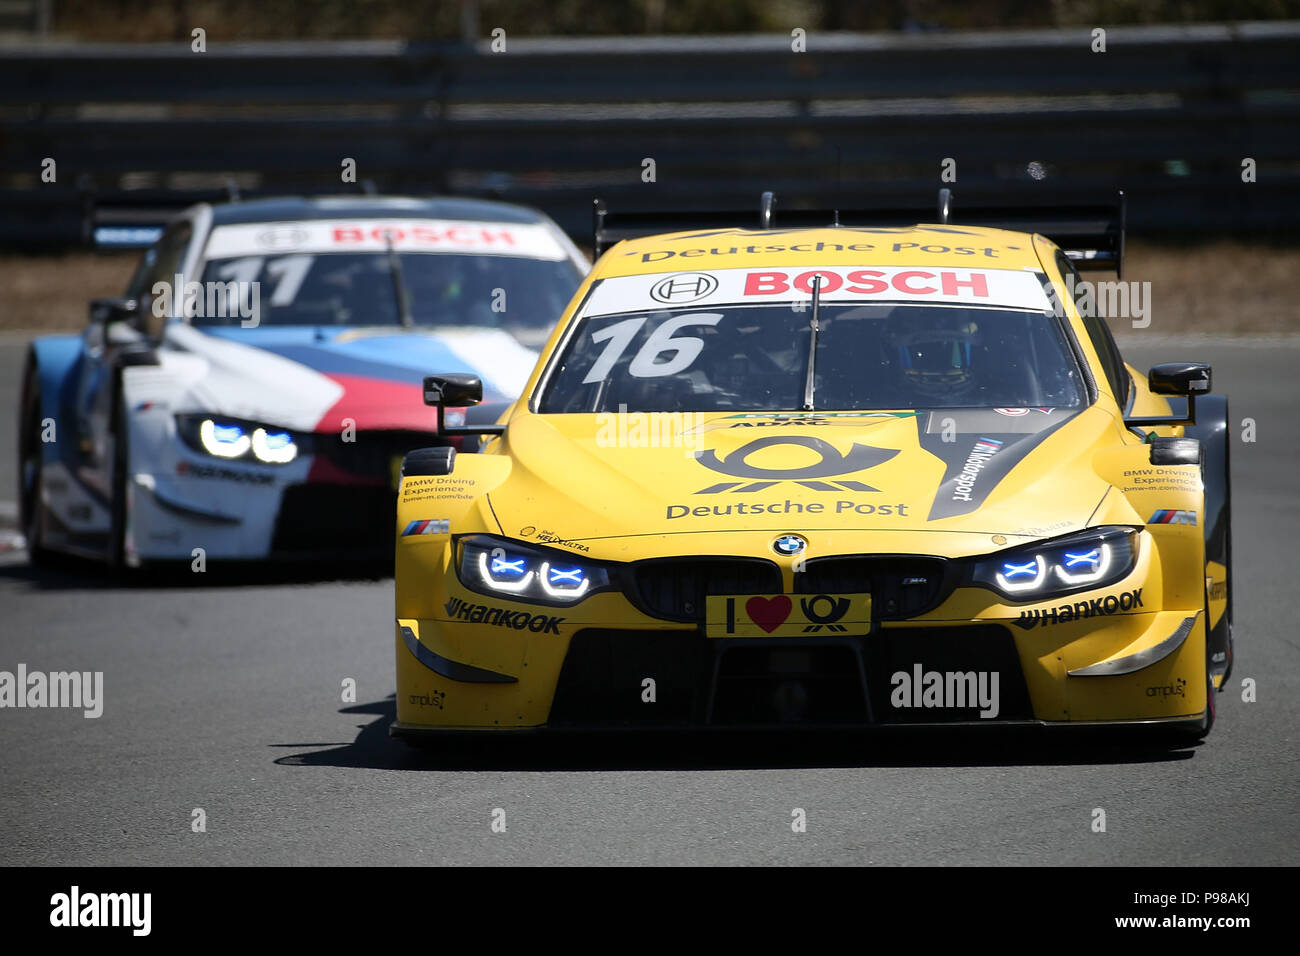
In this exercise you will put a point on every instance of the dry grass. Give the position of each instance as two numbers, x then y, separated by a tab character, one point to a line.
1229	287
52	293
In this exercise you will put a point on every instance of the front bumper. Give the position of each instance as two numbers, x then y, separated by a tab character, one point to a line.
291	521
533	667
1131	652
338	502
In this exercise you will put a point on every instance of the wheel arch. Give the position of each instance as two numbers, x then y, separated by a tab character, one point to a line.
54	357
1214	430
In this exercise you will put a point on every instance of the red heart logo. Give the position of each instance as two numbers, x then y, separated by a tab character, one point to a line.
769	613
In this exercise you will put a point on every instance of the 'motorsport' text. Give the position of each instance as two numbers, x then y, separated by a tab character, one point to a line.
979	456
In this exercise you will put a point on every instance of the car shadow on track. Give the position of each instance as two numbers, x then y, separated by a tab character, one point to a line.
76	574
374	749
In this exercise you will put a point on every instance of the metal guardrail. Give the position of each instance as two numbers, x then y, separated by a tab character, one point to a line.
1167	114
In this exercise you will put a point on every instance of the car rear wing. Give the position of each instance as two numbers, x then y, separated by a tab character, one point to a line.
125	228
1091	235
611	227
138	222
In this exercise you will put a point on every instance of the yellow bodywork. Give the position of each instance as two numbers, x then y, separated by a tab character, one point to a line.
567	483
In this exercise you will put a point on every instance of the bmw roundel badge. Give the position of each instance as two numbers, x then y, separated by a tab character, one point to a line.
788	545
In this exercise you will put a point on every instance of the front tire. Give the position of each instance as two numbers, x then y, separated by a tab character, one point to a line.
31	460
1215	434
1207	719
118	552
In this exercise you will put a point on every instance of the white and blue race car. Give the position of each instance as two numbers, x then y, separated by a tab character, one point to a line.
254	390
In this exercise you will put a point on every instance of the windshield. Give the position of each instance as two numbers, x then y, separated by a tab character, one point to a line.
879	356
520	295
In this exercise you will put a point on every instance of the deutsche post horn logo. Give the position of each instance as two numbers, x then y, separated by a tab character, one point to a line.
831	462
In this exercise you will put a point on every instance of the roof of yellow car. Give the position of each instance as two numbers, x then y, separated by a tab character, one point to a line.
920	245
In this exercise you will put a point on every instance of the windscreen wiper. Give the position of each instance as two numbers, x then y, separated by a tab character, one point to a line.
399	283
810	383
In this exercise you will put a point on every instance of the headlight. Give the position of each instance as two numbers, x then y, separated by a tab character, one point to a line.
1078	562
234	439
274	447
523	572
223	440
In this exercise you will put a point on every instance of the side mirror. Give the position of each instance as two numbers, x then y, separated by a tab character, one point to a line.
1188	379
457	390
454	389
109	311
1179	378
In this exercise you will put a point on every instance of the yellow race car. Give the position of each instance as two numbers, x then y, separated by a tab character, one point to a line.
824	476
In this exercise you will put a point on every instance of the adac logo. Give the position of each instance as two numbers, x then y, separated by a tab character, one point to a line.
690	287
830	463
788	545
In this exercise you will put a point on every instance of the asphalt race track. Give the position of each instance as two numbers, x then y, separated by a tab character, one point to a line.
225	694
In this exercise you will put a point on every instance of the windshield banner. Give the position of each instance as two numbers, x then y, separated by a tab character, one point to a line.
1002	288
531	240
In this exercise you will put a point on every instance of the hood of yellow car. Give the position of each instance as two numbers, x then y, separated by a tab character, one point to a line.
1020	471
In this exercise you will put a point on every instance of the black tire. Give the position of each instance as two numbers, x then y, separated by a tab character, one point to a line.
1215	435
1207	719
30	464
1211	705
117	525
429	461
